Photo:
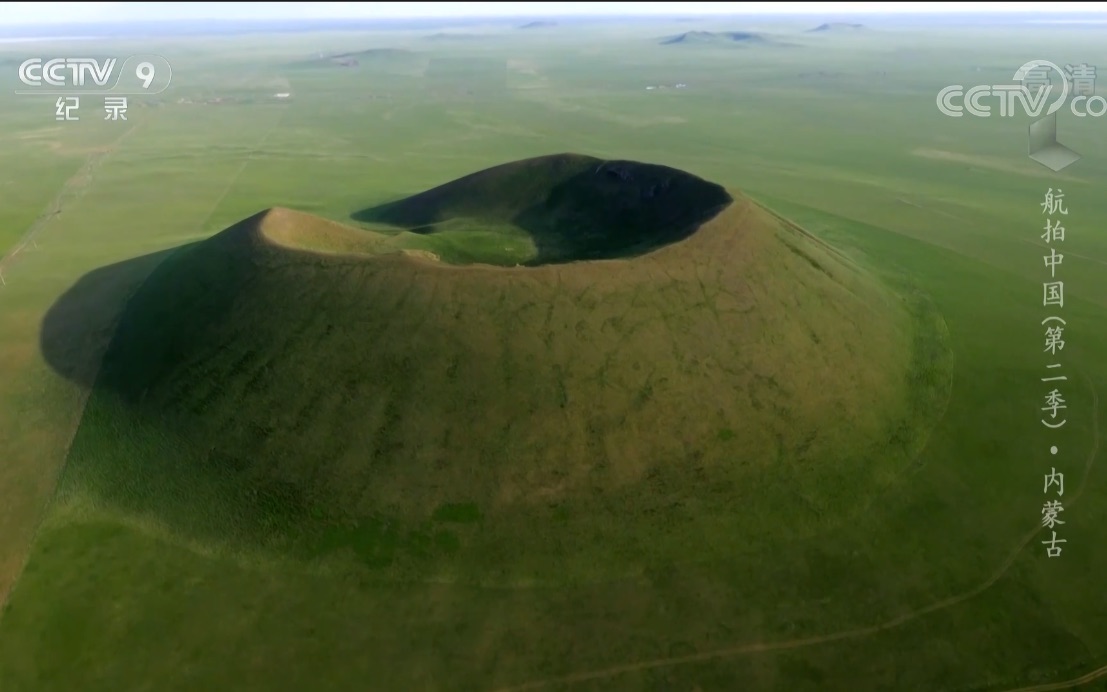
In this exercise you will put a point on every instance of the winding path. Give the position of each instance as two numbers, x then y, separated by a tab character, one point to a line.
764	647
1096	674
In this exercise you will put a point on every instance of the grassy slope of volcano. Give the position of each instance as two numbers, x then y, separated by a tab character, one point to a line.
279	384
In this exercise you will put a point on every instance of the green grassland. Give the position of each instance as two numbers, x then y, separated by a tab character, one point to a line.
279	411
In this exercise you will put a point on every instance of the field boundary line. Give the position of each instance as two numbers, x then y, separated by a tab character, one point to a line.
54	207
31	236
855	633
249	158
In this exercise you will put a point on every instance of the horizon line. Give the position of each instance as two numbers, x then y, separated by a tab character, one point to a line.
758	15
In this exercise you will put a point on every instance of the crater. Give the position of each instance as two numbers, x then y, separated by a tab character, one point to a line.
557	209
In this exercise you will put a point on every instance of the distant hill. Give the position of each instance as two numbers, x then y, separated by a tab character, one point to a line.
377	53
717	37
836	26
454	36
389	59
538	25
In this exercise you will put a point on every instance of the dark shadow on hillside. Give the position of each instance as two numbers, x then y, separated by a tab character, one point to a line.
188	288
590	209
143	326
79	325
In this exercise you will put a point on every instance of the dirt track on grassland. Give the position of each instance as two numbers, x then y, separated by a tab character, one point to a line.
856	633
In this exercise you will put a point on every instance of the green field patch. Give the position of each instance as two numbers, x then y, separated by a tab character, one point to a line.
379	542
458	513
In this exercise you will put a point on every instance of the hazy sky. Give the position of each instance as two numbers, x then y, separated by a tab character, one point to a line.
67	12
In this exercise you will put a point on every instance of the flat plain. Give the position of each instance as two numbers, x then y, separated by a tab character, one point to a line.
266	427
